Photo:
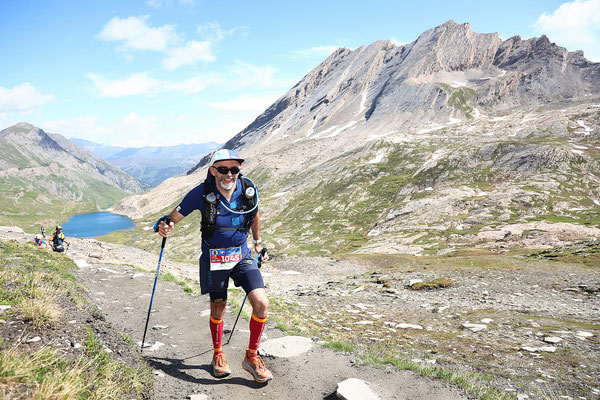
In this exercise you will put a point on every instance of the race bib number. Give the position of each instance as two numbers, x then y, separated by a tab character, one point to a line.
225	259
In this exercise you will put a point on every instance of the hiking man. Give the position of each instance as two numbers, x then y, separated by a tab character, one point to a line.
228	203
57	240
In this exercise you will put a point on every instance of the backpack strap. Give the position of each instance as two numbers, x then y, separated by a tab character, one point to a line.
209	213
249	197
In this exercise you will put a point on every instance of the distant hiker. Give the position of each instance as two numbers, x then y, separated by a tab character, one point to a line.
57	240
40	241
229	206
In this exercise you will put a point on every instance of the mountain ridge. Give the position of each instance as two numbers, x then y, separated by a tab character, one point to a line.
455	139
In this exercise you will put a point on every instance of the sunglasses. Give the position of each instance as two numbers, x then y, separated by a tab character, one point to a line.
225	170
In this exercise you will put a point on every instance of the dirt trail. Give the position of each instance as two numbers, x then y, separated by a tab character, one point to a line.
182	350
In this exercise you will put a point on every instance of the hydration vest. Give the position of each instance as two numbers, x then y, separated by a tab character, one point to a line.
57	239
211	209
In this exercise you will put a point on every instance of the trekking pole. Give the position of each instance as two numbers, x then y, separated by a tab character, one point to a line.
167	220
259	262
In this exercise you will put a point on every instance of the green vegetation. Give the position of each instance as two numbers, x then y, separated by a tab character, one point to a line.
37	285
433	284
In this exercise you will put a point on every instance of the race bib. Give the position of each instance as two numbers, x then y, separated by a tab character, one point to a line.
225	259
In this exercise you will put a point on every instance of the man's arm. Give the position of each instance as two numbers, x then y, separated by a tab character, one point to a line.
255	228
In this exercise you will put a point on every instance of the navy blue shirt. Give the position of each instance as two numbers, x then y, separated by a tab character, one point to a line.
194	200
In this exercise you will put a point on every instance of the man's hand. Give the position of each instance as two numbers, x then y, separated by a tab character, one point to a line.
164	226
164	230
259	248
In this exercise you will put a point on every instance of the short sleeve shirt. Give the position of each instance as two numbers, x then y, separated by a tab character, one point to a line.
222	238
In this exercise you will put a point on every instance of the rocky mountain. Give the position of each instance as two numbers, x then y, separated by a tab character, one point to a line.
44	174
457	138
151	164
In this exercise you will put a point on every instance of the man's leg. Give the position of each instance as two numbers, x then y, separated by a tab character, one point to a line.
217	311
252	362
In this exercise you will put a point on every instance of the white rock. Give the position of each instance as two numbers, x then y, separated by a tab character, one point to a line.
198	396
355	389
82	263
487	320
34	339
156	327
552	339
474	327
364	323
77	345
547	349
158	373
291	273
286	346
522	396
408	326
4	308
583	334
413	281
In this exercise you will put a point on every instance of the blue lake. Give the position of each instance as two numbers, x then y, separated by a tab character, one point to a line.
96	224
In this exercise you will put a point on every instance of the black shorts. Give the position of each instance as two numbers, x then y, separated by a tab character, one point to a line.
245	274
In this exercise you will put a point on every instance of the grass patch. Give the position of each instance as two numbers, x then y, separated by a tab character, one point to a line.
433	284
340	346
39	285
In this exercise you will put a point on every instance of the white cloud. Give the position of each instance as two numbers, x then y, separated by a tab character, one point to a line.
317	51
249	75
134	85
189	53
212	31
23	97
246	103
139	84
154	3
191	85
130	130
575	25
136	34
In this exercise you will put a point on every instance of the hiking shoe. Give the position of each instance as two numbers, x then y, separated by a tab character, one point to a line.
220	366
255	365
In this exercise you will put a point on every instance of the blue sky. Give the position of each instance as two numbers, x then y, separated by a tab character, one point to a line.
165	72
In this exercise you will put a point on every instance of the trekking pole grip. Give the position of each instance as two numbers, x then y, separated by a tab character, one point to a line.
167	219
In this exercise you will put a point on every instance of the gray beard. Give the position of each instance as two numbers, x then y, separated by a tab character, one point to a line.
225	186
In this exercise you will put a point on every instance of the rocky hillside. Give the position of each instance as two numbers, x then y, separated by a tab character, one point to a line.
44	174
457	138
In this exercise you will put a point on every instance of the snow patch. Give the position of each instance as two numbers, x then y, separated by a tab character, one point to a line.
496	119
580	147
580	152
280	194
377	159
457	84
363	102
373	137
586	129
326	131
343	128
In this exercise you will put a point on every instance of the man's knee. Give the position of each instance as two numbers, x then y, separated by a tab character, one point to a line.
260	302
217	309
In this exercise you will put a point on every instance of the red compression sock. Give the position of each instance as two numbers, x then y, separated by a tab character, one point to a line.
216	329
257	325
